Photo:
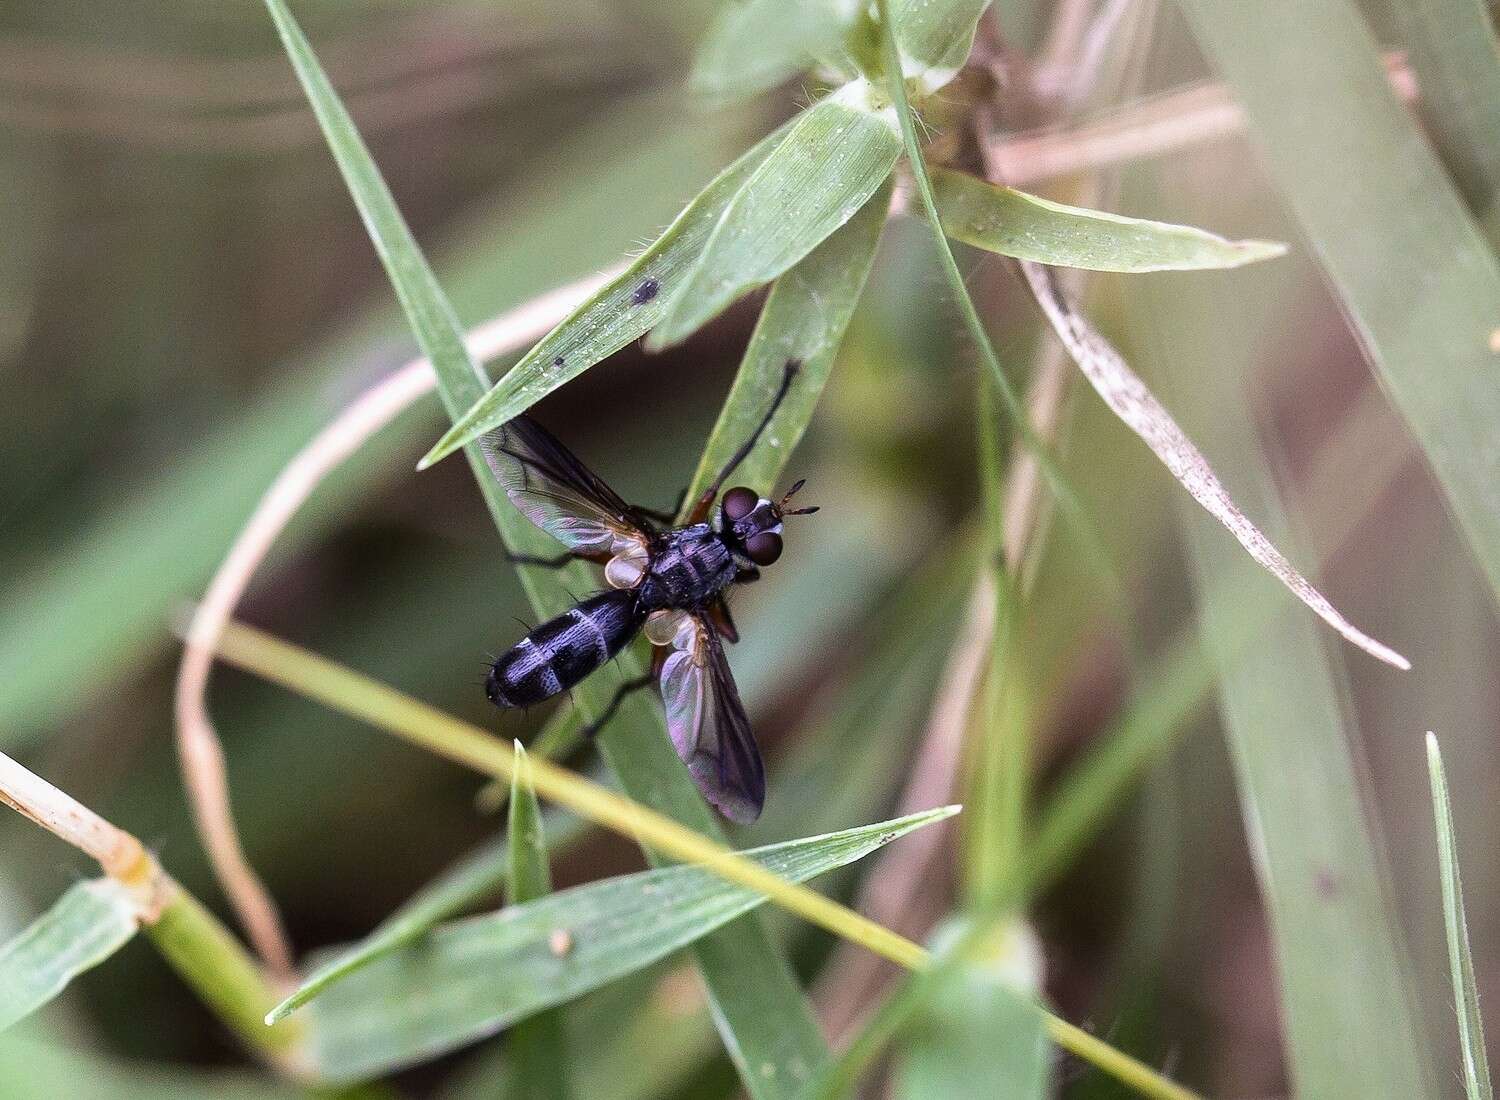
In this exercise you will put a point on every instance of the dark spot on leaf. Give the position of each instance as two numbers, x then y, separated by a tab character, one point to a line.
645	292
1327	884
558	361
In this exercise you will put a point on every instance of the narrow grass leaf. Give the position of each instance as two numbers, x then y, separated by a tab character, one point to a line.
530	875
754	45
621	311
1130	400
803	321
1068	501
998	782
538	1045
1013	223
1421	291
934	37
1477	1083
1350	1022
85	926
475	879
761	1012
1451	45
477	976
836	154
1178	682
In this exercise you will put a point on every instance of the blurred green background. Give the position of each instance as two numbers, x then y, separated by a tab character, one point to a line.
186	295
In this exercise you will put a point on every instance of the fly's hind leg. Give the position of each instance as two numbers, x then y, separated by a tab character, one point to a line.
645	680
533	559
557	562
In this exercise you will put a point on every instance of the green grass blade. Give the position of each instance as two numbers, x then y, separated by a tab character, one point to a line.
1013	223
1452	48
835	156
935	37
1068	500
530	875
1178	682
647	1036
474	880
998	785
474	977
1349	160
1465	990
538	1044
804	319
762	1014
622	311
754	45
85	926
1350	1023
432	319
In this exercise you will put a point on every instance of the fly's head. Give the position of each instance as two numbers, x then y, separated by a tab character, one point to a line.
751	525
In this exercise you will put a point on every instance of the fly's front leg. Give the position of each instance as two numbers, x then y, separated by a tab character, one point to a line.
665	517
700	509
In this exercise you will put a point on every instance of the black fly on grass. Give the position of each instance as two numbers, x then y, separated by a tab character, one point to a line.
669	580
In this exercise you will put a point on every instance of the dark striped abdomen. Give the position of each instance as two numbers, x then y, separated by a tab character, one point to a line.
562	651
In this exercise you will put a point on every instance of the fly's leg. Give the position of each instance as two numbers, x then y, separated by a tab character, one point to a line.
700	509
719	612
664	516
532	559
645	680
555	562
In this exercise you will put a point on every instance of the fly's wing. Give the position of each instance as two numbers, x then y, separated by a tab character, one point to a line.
708	724
558	493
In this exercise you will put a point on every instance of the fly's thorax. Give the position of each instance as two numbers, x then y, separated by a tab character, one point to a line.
689	567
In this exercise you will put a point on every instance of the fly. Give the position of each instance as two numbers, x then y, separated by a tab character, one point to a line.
670	581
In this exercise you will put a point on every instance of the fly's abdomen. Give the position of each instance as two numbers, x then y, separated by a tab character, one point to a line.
561	652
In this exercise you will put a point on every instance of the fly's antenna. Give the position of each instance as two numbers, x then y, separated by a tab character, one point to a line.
792	367
784	510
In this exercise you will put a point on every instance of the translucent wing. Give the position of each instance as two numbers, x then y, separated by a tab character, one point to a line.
708	724
558	493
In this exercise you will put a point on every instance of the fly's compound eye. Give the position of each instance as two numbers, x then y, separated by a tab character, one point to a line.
764	548
739	502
